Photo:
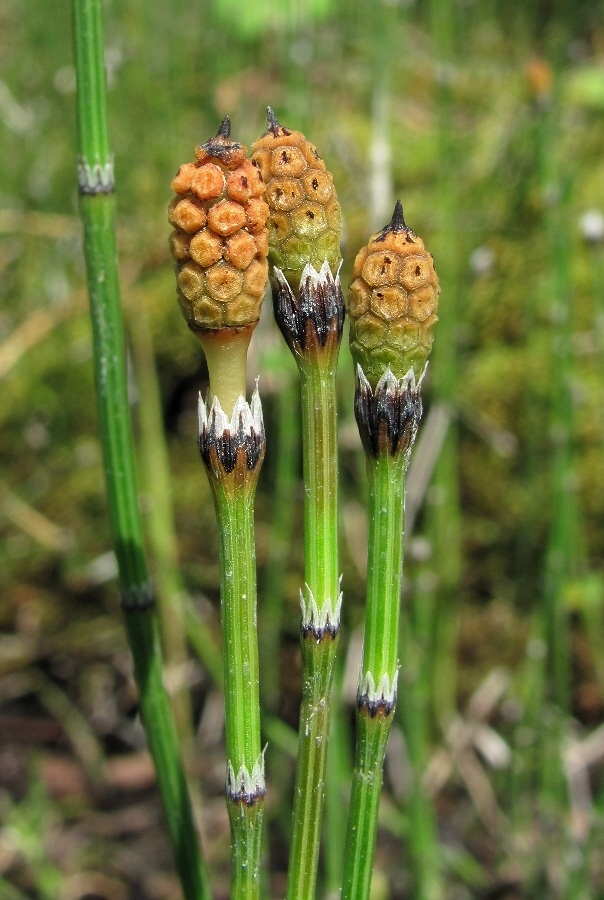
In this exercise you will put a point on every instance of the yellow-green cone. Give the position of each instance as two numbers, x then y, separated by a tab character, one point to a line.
392	302
304	223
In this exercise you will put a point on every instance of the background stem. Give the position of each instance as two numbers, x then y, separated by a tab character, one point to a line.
170	590
97	209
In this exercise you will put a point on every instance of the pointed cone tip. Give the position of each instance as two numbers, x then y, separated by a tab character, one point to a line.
272	121
397	222
225	128
221	145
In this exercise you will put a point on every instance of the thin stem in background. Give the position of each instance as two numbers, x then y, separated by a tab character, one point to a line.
97	209
413	705
562	554
285	485
444	512
562	539
160	526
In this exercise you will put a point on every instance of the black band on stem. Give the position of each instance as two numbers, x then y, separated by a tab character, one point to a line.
238	441
137	598
314	314
388	417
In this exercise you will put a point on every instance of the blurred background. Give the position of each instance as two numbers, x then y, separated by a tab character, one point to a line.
487	121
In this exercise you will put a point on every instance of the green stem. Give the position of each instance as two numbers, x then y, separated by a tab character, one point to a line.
443	513
377	686
337	787
561	556
386	476
238	594
424	854
318	393
170	590
97	209
317	664
234	493
285	481
320	616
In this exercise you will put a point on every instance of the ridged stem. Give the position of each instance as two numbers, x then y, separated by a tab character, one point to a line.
318	657
234	492
97	208
319	454
377	685
386	476
337	787
311	322
320	622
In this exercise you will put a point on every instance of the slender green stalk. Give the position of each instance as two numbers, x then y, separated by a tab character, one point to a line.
562	558
424	852
317	665
97	208
444	528
312	326
387	418
238	590
337	783
319	454
320	618
160	528
377	690
233	453
386	478
561	554
285	481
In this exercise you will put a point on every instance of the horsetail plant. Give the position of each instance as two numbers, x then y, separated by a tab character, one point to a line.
309	308
392	307
97	210
231	216
220	245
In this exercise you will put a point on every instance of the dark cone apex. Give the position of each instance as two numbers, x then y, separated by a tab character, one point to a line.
221	146
274	126
396	225
225	128
272	121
